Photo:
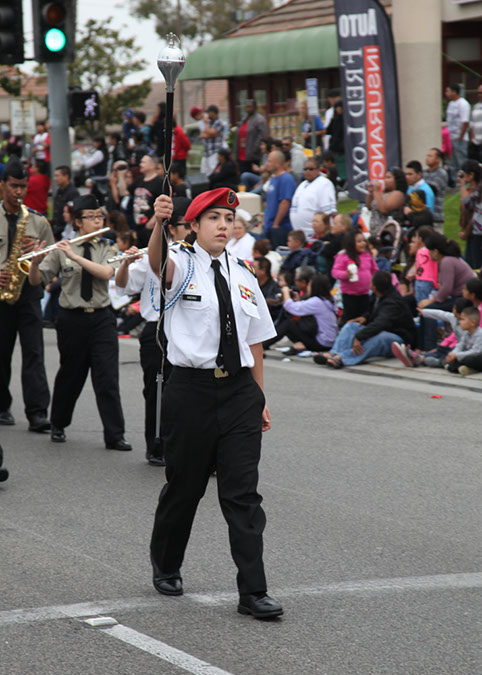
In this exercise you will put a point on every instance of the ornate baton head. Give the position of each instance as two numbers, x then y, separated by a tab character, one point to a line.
171	61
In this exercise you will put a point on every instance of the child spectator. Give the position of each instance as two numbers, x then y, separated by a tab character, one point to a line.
426	269
310	323
469	346
381	259
354	267
434	358
296	243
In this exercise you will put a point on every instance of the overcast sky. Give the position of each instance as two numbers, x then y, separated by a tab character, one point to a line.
147	40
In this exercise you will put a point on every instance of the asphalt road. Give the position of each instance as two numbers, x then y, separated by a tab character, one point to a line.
373	495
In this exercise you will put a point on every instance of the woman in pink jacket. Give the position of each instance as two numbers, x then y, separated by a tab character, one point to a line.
354	266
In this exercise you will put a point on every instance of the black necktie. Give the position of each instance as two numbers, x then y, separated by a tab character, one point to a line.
228	353
86	281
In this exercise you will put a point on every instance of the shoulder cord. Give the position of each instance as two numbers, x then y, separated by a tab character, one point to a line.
182	288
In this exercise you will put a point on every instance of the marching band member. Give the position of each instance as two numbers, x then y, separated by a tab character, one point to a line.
215	332
86	327
136	276
20	312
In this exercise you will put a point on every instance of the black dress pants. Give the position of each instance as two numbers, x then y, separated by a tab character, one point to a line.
24	318
88	341
150	361
206	422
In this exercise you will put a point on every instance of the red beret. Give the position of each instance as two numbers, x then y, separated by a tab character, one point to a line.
223	198
195	111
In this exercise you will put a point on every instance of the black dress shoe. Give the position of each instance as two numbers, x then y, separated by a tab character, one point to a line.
261	607
121	444
3	471
155	460
39	423
57	435
166	584
6	418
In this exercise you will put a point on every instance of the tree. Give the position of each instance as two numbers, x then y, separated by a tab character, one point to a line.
103	60
198	20
10	81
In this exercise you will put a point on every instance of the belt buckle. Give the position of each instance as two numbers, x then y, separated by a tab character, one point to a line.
88	310
220	372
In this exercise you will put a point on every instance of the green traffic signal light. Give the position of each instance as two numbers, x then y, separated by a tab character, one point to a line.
55	40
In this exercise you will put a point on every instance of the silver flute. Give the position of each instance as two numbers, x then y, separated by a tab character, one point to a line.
127	256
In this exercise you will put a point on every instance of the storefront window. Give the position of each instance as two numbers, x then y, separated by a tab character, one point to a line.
260	98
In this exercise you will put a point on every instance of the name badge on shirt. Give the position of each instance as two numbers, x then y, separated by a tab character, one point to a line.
191	298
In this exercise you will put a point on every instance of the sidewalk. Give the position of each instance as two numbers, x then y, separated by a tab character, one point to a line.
394	369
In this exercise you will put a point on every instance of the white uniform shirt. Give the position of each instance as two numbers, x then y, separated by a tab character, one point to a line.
309	198
192	324
143	280
241	248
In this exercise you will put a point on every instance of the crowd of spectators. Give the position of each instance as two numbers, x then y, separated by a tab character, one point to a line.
328	277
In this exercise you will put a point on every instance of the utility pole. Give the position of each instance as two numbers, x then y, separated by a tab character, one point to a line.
58	114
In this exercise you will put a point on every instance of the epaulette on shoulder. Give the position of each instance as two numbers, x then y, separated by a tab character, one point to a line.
37	213
249	267
184	246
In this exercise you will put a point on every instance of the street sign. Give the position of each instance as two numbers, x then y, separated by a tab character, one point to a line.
22	117
312	96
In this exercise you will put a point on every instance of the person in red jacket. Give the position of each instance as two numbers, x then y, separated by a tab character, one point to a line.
38	187
180	144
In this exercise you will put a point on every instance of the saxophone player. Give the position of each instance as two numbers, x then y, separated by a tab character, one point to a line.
20	312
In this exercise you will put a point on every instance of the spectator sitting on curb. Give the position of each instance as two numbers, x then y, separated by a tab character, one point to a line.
436	357
388	320
470	345
311	323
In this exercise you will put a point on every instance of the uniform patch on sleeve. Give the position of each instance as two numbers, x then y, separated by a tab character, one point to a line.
249	267
247	294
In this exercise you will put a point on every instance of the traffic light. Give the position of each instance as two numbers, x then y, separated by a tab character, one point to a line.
11	33
84	107
54	30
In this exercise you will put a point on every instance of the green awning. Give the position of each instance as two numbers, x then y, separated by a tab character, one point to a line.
300	49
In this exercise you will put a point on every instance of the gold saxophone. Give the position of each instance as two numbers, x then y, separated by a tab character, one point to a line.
11	293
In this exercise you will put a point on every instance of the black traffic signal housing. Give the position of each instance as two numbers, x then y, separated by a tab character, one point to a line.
54	30
11	33
84	106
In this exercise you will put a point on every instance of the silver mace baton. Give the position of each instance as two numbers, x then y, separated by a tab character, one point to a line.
170	62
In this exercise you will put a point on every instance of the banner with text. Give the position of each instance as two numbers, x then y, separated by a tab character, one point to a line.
368	75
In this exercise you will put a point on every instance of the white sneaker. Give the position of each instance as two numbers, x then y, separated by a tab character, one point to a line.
465	370
400	352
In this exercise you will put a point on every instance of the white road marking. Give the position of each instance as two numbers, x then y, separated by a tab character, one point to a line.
157	648
464	580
